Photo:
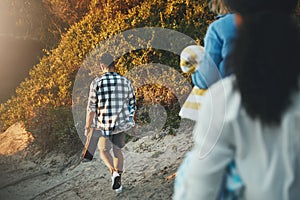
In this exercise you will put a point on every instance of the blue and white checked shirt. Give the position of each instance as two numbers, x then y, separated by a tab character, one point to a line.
112	97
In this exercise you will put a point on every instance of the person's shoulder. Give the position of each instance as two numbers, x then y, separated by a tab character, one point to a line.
223	87
224	20
227	18
223	97
124	78
223	27
108	75
97	80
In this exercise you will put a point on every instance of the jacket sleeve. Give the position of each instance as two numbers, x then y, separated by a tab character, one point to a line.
208	71
201	174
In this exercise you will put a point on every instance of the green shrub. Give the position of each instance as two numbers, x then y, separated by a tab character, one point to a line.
50	125
43	101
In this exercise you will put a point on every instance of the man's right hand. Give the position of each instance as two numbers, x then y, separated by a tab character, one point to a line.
134	134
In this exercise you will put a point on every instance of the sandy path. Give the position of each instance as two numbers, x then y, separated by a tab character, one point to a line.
148	162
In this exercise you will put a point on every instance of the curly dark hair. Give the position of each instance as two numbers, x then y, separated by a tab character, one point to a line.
265	59
251	7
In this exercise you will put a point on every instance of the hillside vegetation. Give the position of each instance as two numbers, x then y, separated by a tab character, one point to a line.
43	101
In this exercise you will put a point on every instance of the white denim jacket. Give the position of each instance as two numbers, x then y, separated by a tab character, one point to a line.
267	158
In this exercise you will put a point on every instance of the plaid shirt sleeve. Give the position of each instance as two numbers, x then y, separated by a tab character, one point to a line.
93	97
132	100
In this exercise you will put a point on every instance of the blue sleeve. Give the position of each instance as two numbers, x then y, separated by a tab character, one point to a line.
208	71
213	46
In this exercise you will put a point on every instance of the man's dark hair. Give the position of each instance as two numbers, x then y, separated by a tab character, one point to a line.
108	60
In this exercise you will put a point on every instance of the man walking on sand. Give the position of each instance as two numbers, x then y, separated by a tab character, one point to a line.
110	112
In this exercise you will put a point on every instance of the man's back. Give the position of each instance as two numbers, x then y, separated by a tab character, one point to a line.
111	95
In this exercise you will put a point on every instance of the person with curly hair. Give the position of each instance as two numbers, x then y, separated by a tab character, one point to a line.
260	128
